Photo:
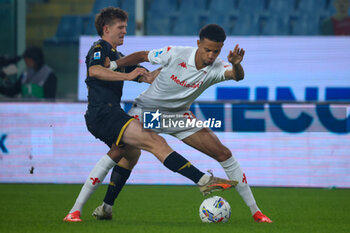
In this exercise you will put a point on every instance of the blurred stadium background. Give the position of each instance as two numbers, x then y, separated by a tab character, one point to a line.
287	123
55	25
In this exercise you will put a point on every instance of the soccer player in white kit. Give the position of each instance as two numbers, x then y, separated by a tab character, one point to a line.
186	73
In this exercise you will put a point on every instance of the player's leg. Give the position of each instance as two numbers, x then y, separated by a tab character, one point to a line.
96	176
148	140
207	142
119	176
121	173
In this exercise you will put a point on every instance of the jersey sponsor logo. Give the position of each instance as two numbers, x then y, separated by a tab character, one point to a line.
226	66
151	120
98	46
185	84
183	65
97	55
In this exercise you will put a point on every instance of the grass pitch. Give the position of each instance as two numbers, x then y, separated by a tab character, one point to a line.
41	208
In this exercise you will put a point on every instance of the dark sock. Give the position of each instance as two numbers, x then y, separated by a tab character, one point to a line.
179	164
119	177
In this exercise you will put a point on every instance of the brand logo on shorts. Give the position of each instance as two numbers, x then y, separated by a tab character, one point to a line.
151	120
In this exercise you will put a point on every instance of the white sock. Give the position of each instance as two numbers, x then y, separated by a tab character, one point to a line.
234	172
96	177
203	180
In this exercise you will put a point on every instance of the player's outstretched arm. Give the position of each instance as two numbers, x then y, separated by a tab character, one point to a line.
133	59
235	57
103	73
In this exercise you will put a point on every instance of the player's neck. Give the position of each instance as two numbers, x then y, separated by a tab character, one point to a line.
114	45
199	63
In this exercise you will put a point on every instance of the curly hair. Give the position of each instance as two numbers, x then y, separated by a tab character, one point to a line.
212	32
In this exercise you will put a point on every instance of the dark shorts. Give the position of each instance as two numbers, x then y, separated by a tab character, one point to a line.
107	122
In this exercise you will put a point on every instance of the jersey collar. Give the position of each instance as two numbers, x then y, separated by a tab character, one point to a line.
192	61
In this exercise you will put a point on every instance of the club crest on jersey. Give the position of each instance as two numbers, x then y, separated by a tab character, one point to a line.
97	55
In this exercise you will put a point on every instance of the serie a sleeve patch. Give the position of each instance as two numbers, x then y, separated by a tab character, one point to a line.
97	55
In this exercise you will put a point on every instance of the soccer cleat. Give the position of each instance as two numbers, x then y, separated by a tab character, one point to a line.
260	217
101	214
73	217
216	184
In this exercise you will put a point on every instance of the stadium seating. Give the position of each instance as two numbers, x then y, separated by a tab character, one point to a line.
186	17
305	25
251	6
217	7
246	24
99	4
89	25
274	25
161	7
311	6
281	7
161	17
183	27
69	29
129	6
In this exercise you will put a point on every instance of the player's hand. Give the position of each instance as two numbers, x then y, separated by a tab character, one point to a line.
235	57
150	76
107	62
136	72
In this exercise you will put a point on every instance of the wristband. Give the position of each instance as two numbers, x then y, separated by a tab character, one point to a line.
138	79
113	65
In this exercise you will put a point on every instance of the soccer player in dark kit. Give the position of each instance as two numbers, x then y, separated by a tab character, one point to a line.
106	120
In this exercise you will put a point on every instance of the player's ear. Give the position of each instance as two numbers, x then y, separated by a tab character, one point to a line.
105	29
198	43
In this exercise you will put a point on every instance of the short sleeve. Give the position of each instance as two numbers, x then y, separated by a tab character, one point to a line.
161	56
97	56
219	69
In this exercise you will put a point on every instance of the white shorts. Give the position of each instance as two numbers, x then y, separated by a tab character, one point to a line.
178	132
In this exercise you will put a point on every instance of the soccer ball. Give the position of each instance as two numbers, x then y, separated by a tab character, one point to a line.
215	209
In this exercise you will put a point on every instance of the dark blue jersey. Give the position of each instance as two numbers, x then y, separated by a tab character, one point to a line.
100	91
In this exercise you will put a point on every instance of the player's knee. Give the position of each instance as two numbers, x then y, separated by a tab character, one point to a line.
115	153
151	140
223	154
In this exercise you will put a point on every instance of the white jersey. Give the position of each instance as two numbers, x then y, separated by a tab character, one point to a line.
179	82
